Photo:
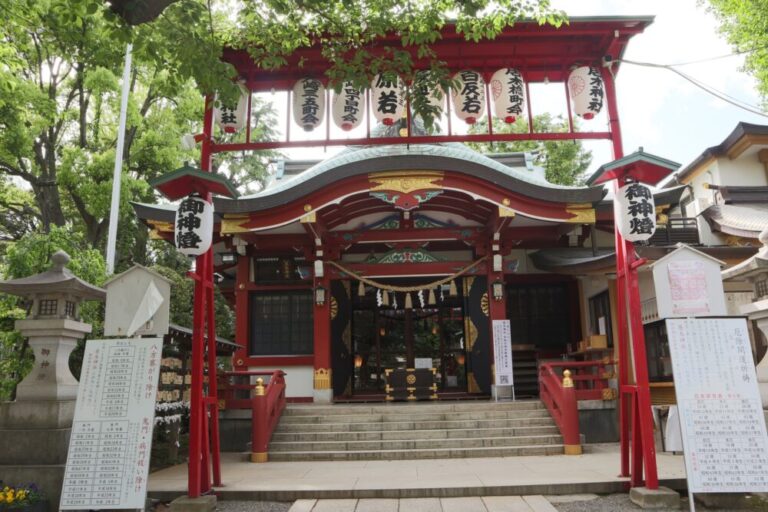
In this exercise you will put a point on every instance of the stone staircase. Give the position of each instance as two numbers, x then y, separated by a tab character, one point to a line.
414	431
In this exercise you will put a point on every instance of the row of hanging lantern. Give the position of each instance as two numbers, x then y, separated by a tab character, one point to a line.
388	97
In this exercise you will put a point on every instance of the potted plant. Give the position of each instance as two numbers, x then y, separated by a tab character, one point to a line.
18	498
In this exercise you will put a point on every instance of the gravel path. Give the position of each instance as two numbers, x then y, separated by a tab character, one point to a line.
621	503
252	506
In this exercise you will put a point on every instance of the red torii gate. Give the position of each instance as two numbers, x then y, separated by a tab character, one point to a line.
542	54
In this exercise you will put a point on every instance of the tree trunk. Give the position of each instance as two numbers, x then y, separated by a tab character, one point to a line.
49	201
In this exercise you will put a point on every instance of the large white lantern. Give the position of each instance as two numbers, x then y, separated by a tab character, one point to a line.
348	107
469	96
194	226
387	99
421	88
232	118
635	212
585	86
308	103
508	94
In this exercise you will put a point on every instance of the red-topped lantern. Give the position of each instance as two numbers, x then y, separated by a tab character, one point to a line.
508	94
387	99
308	103
469	96
348	107
585	86
635	212
194	226
231	118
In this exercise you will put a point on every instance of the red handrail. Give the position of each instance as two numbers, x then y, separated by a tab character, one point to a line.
560	398
268	404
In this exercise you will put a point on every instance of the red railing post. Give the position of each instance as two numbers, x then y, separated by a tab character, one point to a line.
569	408
259	437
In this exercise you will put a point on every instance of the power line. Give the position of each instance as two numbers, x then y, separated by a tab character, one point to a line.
705	87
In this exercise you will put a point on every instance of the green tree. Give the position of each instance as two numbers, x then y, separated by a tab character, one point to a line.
745	25
564	162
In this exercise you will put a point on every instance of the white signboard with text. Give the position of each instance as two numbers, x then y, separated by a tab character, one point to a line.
111	440
502	352
721	415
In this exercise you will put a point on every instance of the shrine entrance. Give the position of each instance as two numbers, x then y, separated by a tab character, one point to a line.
384	338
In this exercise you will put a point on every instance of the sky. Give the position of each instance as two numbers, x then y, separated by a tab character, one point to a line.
658	110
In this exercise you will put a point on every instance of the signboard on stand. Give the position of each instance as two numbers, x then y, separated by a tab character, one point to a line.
502	354
111	441
721	415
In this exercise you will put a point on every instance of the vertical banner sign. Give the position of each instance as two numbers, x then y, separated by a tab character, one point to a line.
111	440
721	415
502	352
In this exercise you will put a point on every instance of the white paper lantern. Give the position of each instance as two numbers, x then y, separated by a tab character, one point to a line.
420	88
635	212
508	94
469	97
585	86
308	103
194	226
232	118
387	99
348	107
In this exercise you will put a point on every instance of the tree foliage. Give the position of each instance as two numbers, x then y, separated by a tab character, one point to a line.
745	24
564	162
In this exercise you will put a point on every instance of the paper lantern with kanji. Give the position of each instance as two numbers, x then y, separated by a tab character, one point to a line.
387	99
194	226
635	212
348	107
308	103
421	88
585	86
232	118
469	96
508	94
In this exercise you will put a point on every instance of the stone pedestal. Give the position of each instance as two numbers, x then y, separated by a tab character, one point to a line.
53	340
34	439
661	498
187	504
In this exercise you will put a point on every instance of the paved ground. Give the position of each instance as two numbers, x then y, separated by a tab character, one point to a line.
564	503
438	478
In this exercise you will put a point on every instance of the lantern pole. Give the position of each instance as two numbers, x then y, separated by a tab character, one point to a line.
638	418
199	472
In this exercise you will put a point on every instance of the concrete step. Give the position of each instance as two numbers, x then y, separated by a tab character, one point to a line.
414	434
415	416
445	453
398	407
374	426
414	444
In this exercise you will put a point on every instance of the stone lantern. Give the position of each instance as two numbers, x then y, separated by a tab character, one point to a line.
53	327
755	271
35	429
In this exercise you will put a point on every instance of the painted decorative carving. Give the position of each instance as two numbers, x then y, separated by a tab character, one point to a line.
408	256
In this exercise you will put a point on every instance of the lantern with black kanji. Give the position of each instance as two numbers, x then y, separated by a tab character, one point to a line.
508	94
348	107
635	212
421	87
469	96
585	86
194	226
387	99
308	103
231	118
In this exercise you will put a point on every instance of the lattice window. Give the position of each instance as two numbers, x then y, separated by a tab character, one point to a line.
48	307
282	323
69	309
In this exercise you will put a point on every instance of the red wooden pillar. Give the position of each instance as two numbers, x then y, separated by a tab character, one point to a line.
322	391
242	279
634	400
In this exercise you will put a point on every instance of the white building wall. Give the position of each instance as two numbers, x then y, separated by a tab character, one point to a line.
298	379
